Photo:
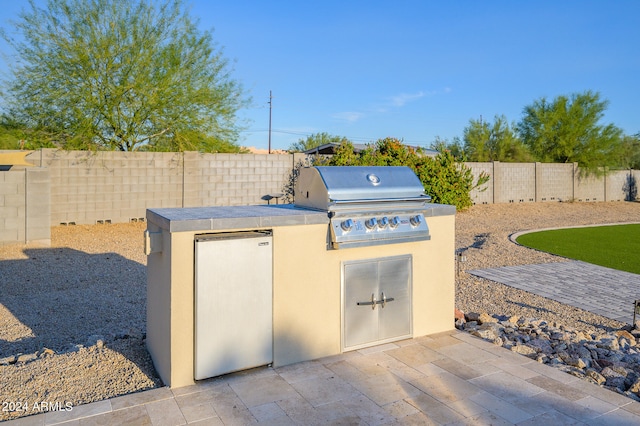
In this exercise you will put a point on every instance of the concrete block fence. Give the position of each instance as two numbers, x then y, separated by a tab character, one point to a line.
80	187
110	187
25	206
548	182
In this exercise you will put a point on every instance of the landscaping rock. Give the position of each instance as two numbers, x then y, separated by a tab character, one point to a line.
595	376
46	352
486	318
9	360
472	317
609	359
24	358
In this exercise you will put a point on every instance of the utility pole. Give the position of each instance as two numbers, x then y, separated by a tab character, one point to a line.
270	105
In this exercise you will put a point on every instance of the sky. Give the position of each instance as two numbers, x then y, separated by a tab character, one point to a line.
415	70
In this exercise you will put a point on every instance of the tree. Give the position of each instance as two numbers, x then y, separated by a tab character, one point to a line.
122	74
484	141
15	135
567	130
315	140
389	152
10	135
455	147
630	152
344	156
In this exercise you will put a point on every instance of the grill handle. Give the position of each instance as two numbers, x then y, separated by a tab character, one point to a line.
423	198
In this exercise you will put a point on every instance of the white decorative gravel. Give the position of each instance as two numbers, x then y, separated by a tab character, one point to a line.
73	318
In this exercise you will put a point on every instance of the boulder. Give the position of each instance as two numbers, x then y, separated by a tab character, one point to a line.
472	317
27	357
486	318
524	350
595	376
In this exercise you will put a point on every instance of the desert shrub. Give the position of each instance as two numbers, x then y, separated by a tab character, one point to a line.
446	180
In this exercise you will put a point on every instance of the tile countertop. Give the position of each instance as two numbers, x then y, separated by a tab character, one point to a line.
250	217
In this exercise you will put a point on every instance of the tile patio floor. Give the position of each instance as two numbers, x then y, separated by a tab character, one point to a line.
451	378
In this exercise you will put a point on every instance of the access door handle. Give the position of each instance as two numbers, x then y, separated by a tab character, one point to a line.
383	301
372	303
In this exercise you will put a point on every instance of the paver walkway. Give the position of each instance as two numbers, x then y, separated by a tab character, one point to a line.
603	291
452	378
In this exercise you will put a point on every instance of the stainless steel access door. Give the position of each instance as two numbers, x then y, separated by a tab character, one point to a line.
376	301
233	302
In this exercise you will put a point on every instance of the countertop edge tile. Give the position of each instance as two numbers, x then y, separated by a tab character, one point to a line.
250	217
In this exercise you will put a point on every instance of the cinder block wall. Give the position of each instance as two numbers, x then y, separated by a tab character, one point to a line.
483	194
233	179
588	188
619	184
106	186
12	206
110	186
38	205
100	187
554	182
547	182
514	182
25	206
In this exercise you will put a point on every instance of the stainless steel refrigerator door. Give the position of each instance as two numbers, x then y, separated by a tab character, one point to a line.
233	303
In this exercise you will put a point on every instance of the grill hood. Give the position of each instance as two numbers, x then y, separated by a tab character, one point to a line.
336	187
366	205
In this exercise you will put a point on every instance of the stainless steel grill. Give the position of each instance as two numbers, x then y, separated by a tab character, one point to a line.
366	205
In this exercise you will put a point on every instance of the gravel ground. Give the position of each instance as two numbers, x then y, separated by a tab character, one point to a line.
72	316
77	313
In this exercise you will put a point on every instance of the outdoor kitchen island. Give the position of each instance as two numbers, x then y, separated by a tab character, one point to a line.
304	287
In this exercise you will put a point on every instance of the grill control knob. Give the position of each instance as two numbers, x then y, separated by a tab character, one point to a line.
416	220
346	225
371	223
394	222
384	222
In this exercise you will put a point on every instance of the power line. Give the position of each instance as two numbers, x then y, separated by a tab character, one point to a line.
351	138
290	132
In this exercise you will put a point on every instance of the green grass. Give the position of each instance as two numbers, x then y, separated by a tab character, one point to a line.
615	246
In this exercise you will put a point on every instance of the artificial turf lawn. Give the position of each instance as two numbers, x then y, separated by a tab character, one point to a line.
615	246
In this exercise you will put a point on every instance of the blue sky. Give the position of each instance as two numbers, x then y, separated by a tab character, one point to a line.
417	70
